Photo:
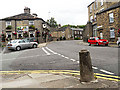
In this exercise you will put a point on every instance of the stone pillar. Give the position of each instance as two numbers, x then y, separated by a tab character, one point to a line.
86	71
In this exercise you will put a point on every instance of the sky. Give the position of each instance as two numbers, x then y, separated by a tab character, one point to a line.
73	12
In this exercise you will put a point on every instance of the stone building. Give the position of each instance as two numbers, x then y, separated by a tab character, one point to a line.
100	14
67	33
24	25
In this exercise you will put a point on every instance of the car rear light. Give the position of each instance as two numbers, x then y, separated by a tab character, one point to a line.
9	44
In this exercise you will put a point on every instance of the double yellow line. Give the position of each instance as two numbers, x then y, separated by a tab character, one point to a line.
71	72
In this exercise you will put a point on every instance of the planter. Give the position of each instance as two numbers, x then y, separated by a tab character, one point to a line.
9	27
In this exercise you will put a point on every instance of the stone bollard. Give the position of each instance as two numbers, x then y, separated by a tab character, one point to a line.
86	71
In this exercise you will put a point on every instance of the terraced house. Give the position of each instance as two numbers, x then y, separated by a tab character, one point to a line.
25	25
103	20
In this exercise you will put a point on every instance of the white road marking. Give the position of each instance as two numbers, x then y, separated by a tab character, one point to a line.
106	71
62	56
67	57
50	50
45	51
77	61
94	67
59	54
73	60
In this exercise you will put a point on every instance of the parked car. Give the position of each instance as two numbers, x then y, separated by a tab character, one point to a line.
118	42
97	41
18	44
33	41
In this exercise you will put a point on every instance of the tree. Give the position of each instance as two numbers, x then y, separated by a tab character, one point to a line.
52	22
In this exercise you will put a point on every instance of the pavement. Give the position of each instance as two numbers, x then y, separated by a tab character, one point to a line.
47	79
52	79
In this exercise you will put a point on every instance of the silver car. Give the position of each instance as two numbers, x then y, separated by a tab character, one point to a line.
18	44
32	41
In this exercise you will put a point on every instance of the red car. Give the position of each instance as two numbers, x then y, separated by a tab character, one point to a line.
97	41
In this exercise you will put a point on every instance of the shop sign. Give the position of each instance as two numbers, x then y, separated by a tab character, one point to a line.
22	28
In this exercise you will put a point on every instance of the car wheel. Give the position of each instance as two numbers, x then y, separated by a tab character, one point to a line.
97	44
106	44
89	44
118	44
34	46
18	48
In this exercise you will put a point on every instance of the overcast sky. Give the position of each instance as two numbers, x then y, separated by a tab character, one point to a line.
73	12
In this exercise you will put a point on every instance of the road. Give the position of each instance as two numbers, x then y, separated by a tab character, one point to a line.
62	55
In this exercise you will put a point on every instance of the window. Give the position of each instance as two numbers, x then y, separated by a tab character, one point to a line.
91	18
112	33
8	23
31	22
111	18
95	18
90	8
101	2
96	4
75	32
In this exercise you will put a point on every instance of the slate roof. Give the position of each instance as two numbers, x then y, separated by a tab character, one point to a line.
110	8
23	16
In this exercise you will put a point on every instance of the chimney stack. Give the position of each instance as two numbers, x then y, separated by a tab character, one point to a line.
27	10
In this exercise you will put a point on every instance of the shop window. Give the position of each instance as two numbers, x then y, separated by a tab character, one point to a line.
19	35
31	35
112	33
111	18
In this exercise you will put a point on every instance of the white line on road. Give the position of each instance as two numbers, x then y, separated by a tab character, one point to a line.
45	51
62	56
50	50
67	57
94	67
106	71
73	60
77	61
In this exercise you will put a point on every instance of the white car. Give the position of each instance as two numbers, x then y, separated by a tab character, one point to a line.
18	44
32	41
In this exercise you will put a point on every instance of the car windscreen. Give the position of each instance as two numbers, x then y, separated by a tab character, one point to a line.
13	41
97	38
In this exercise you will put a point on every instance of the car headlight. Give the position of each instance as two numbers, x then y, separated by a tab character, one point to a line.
101	41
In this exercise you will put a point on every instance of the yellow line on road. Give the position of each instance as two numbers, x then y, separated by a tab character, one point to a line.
72	72
106	75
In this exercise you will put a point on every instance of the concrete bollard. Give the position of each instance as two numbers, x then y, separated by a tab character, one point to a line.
86	71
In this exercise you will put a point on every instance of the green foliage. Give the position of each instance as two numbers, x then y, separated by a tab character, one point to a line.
73	26
77	38
52	22
9	27
32	27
